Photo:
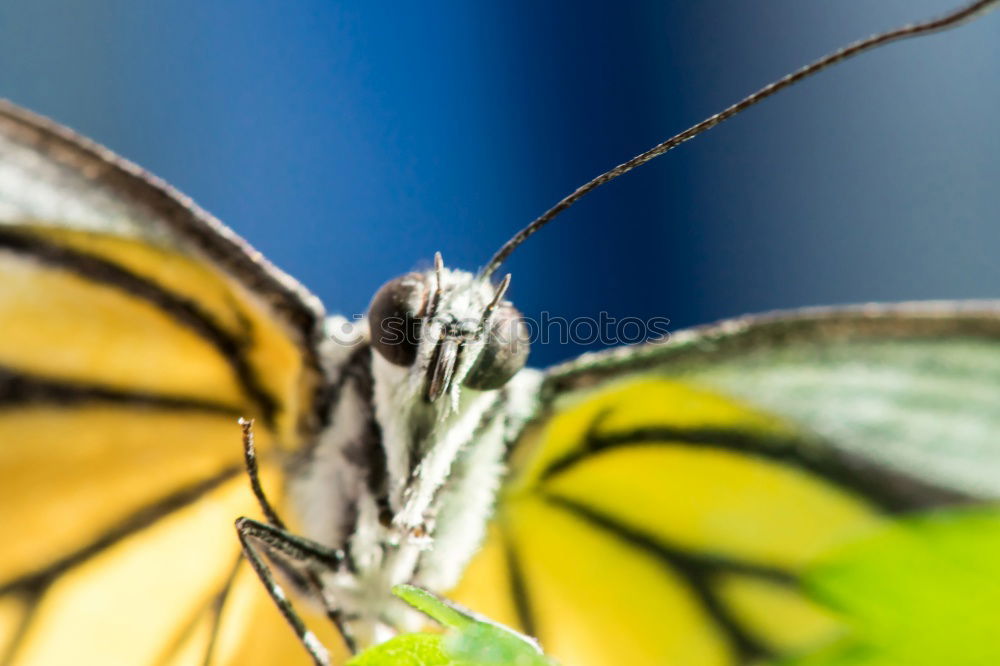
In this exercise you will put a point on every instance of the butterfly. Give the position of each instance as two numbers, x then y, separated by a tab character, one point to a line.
682	502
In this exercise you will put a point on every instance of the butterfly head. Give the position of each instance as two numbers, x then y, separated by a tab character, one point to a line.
448	329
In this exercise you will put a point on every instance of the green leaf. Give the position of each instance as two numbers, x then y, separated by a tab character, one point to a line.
405	650
470	640
924	591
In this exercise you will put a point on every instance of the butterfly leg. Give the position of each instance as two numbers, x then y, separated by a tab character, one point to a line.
256	537
250	458
274	538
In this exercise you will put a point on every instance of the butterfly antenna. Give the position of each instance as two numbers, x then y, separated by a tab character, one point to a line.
961	15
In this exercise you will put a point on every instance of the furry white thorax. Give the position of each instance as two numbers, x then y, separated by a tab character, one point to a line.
443	463
322	488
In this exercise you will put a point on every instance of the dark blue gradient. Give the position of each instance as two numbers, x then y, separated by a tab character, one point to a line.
349	141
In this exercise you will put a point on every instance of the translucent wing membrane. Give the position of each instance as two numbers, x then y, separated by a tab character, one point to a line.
100	225
668	499
912	387
135	331
51	173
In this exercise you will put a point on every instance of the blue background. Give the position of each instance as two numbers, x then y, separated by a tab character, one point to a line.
349	141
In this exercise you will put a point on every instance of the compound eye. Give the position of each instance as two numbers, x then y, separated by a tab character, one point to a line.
504	353
394	318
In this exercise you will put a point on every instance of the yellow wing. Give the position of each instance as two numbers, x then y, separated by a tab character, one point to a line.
664	503
135	330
